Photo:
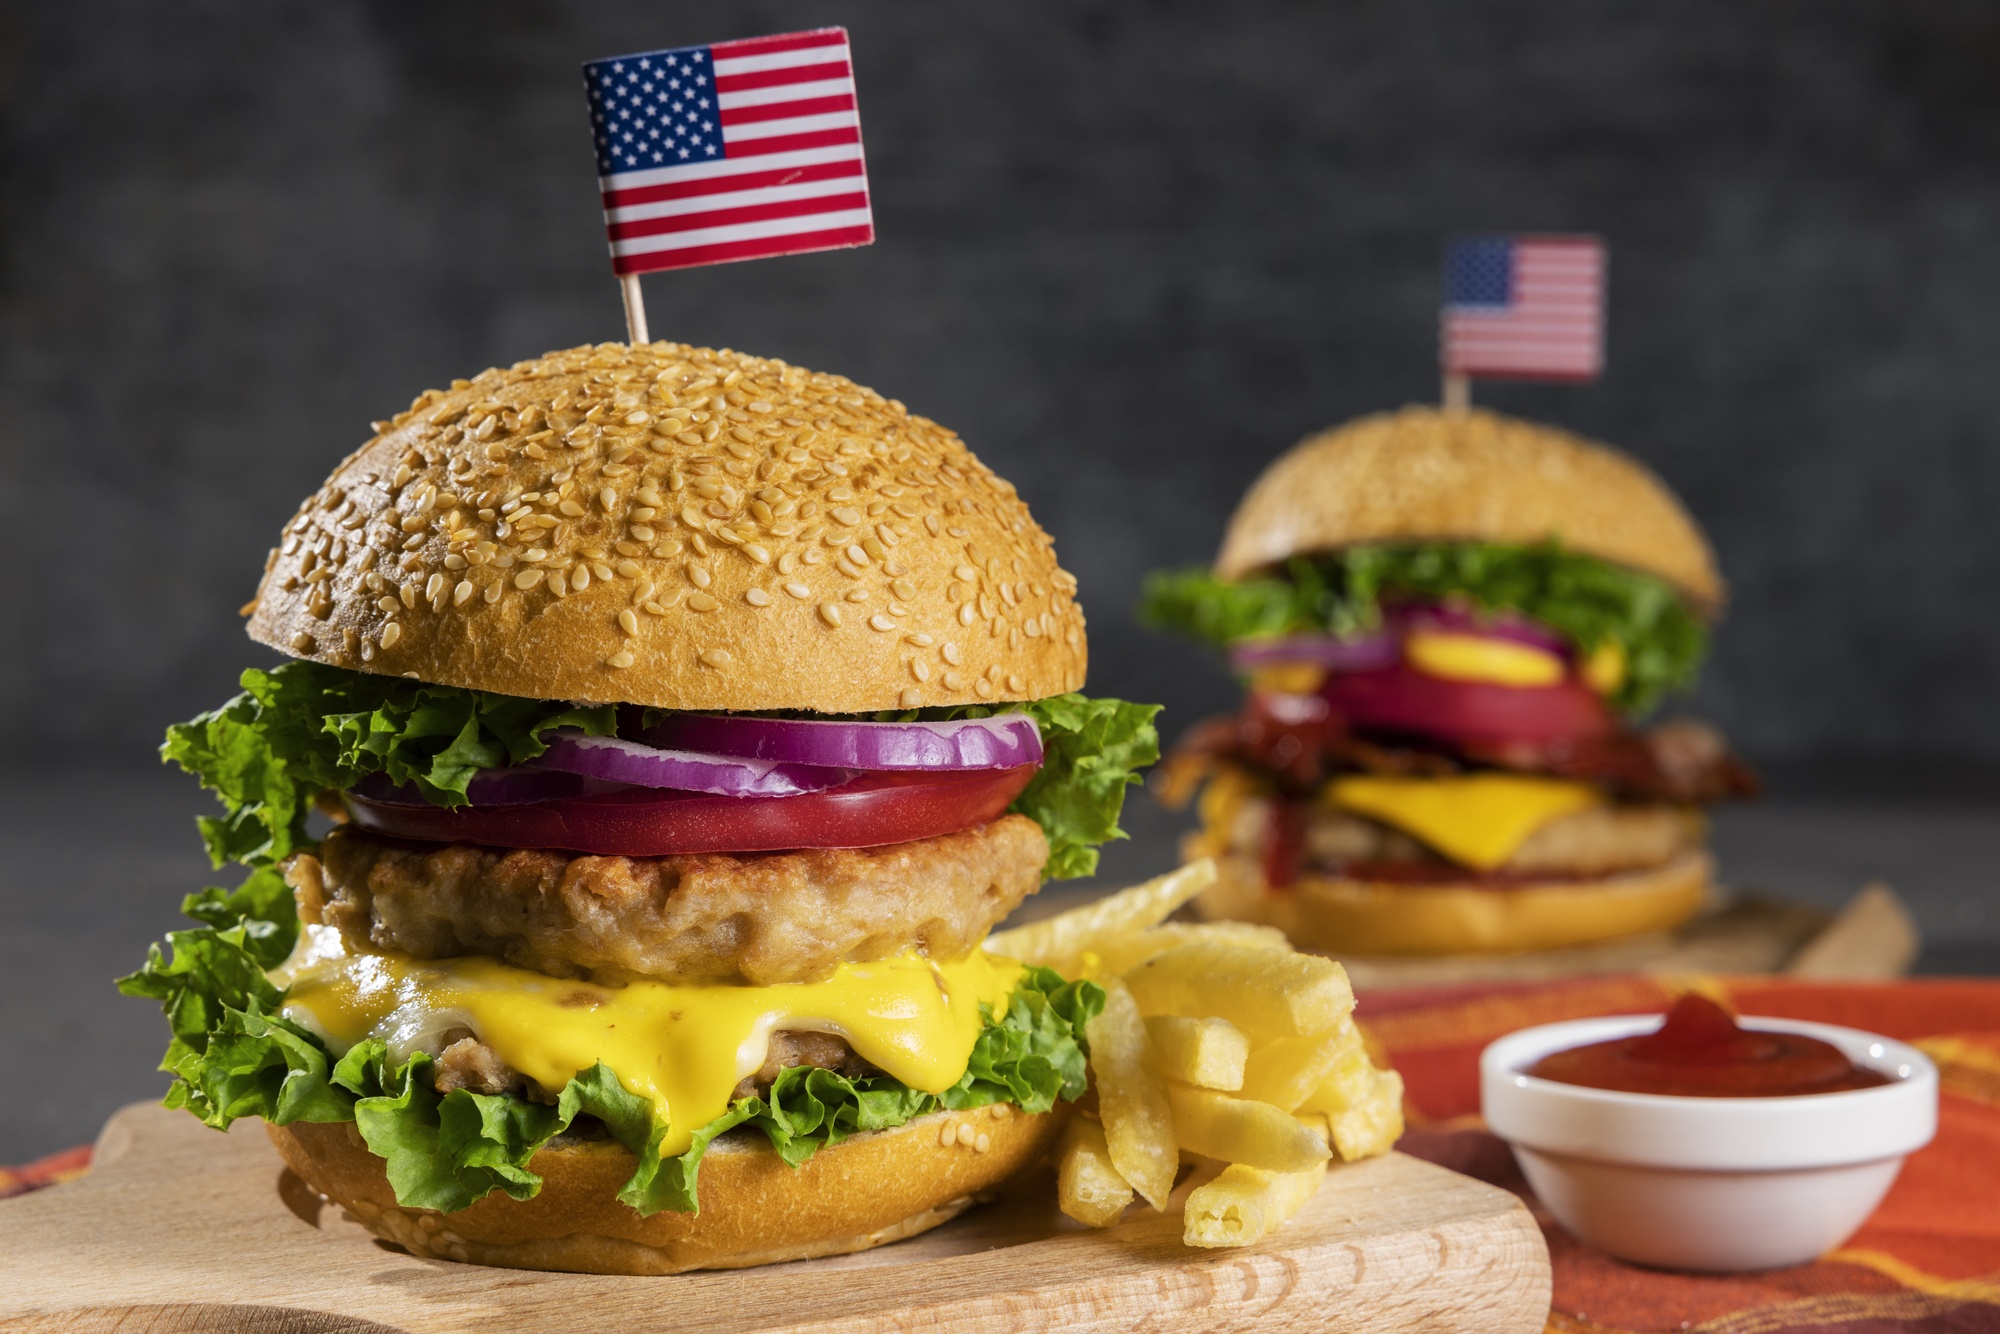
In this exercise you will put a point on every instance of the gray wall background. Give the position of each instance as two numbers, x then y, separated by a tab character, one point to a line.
1130	251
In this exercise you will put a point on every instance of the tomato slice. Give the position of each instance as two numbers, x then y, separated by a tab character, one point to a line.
1398	699
874	809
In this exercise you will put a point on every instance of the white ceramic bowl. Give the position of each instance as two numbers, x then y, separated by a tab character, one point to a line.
1714	1184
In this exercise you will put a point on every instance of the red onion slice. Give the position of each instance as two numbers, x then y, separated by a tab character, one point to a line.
518	786
1004	742
621	761
1342	655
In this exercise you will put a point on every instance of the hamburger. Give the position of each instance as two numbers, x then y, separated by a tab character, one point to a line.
1450	626
663	732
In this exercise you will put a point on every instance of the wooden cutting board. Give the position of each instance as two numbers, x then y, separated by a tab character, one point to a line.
178	1228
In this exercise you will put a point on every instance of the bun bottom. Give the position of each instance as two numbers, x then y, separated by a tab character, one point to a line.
1381	918
866	1191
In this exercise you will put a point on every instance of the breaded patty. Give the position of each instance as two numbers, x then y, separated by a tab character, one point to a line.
759	918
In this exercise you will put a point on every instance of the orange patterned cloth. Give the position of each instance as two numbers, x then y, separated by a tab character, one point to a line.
57	1167
1928	1262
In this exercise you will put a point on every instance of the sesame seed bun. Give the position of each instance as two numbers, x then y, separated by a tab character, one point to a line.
710	531
864	1192
1426	475
1356	917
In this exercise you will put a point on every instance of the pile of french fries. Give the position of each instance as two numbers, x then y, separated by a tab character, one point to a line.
1217	1041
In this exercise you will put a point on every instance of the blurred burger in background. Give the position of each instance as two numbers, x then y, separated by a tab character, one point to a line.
1451	627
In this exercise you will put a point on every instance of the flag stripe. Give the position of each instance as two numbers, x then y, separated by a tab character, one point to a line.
757	81
796	244
617	203
783	41
791	67
709	219
789	143
742	231
839	109
623	187
757	97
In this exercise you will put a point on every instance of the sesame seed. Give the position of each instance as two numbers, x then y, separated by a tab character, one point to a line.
628	622
701	602
434	587
579	578
966	1134
715	657
920	669
527	579
757	597
699	576
830	613
760	554
559	581
644	592
982	1144
629	569
951	653
798	590
643	532
492	593
389	606
302	642
1015	683
391	632
881	622
460	594
603	571
967	614
982	687
622	658
903	589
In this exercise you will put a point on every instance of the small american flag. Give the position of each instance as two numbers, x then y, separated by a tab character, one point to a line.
1523	307
733	151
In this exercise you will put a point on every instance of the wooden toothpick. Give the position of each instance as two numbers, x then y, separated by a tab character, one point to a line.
1457	390
635	309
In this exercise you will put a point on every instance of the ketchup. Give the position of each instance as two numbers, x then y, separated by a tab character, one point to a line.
1700	1052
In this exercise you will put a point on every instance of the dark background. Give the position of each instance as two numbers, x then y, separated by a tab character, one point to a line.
1129	251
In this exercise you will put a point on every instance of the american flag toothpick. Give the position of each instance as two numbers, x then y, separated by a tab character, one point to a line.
1521	308
738	150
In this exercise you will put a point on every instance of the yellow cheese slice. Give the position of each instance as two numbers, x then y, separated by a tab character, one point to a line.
681	1047
1501	662
1477	820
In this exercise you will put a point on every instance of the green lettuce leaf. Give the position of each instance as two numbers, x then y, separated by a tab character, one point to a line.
306	728
232	1056
1588	600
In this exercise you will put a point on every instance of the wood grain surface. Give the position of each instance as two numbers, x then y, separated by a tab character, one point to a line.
179	1228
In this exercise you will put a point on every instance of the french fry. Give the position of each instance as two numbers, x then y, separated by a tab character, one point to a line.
1132	1099
1237	1130
1088	1187
1261	991
1063	937
1245	1204
1372	1123
1286	1071
1208	1053
1117	957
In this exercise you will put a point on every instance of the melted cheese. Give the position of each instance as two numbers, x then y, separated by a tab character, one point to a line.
684	1048
1501	662
1478	820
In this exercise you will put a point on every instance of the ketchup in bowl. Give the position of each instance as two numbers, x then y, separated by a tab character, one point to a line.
1701	1052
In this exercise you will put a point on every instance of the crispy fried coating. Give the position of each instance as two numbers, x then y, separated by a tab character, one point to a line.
758	918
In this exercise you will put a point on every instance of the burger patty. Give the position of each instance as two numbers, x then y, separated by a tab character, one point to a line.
757	918
1596	841
467	1063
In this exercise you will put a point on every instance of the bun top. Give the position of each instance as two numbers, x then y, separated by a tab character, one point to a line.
1427	475
676	527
